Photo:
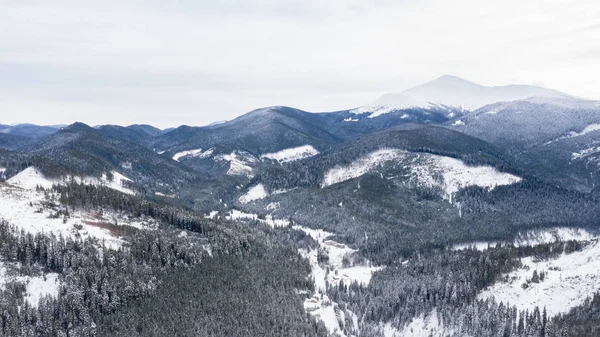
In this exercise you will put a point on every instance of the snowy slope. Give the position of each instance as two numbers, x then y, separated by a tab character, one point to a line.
36	287
254	193
361	166
31	177
534	238
26	209
422	326
196	153
451	91
332	274
430	170
187	153
268	220
292	154
239	163
569	280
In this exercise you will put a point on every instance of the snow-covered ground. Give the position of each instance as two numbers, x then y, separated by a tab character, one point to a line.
36	286
337	252
422	326
588	129
318	304
31	177
361	166
40	286
188	153
585	152
292	154
24	208
569	280
254	193
268	220
535	237
448	173
193	154
324	309
239	163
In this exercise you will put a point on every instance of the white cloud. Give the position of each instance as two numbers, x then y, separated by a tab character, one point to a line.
198	61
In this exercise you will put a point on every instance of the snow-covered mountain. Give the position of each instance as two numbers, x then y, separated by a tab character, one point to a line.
557	138
453	92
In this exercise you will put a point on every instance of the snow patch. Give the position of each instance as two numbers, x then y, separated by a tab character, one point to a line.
30	178
361	166
188	153
458	123
292	154
337	252
585	152
254	193
40	286
588	129
26	210
450	174
36	287
534	238
350	119
239	163
211	215
197	153
268	220
569	280
422	326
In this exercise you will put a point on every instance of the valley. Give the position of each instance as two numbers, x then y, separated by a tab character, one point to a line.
448	209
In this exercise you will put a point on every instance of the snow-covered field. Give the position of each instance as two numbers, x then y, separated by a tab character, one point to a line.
430	170
292	154
31	177
254	193
24	208
569	280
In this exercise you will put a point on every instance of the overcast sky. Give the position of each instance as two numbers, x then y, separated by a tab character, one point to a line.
194	62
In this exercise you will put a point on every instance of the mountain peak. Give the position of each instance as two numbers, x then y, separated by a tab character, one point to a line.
77	127
451	79
454	92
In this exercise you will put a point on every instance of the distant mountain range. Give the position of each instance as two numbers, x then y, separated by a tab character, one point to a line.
363	211
548	134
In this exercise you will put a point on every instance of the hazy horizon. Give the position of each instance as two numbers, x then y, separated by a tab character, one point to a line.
194	63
